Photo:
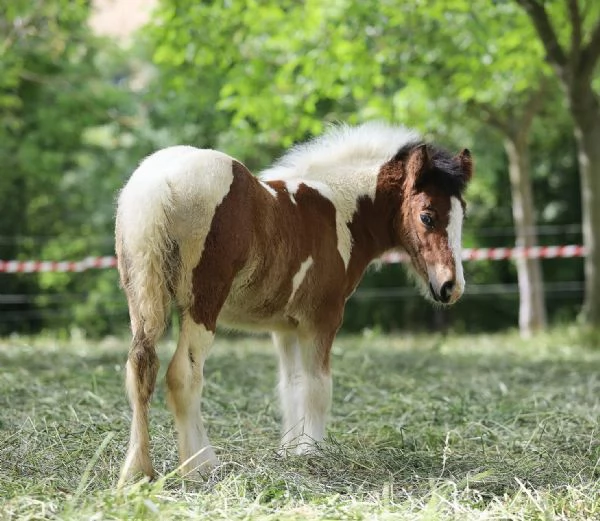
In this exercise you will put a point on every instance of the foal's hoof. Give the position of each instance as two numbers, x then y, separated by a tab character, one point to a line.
199	467
131	475
136	467
298	449
307	449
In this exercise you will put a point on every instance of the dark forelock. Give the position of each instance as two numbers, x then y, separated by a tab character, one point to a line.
446	172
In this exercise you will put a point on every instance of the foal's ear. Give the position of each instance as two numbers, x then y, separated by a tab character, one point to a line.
418	163
466	163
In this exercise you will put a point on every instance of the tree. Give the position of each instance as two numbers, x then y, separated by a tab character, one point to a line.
497	78
281	81
515	127
574	64
63	151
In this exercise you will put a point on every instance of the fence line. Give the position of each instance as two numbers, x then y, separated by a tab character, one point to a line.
488	231
43	310
45	299
468	254
55	305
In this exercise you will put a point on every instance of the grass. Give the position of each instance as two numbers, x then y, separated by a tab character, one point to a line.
423	427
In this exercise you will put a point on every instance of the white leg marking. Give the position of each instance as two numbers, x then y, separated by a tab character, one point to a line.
315	396
290	388
185	381
299	277
454	231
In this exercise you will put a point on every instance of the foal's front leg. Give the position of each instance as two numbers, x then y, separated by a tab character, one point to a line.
304	388
290	388
315	398
185	382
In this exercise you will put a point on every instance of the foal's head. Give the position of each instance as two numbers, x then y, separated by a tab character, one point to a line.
431	218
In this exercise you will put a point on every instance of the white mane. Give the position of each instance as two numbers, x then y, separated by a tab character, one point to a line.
340	150
342	165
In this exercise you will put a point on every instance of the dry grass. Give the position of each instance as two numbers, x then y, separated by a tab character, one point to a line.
465	427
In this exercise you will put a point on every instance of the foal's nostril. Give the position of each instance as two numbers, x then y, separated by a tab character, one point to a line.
446	291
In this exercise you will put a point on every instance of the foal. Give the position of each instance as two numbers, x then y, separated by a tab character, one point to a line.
279	253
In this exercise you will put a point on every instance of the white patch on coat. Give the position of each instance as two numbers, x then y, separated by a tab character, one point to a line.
347	160
269	189
454	230
293	186
299	277
171	197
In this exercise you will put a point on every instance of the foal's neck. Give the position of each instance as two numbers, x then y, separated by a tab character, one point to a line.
374	226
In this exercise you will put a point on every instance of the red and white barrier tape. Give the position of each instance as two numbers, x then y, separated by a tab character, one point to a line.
34	266
468	254
476	254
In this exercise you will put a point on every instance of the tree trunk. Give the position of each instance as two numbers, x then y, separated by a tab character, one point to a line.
586	114
532	309
574	67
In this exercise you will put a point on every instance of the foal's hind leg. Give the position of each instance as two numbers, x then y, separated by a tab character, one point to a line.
142	366
184	382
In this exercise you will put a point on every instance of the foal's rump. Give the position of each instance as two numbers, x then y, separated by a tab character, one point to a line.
164	214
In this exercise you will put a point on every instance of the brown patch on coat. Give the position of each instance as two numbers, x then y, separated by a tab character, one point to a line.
255	246
324	292
373	226
291	233
225	250
279	247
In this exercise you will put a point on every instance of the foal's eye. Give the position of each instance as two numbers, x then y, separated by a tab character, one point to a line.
427	220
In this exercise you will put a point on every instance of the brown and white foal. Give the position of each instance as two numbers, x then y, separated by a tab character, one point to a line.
280	253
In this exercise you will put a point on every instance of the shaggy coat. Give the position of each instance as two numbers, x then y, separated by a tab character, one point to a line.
280	253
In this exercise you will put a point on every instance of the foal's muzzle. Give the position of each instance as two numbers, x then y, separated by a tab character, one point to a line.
446	284
447	293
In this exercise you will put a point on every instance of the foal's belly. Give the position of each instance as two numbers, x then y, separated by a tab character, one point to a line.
240	319
258	307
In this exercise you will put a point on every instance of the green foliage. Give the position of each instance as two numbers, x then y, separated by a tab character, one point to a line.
251	78
64	149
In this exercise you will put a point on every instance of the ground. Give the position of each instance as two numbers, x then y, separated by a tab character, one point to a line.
423	427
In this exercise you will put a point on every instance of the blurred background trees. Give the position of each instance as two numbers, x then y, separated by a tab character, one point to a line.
79	111
573	50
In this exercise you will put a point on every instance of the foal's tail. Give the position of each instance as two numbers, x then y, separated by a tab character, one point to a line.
145	251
